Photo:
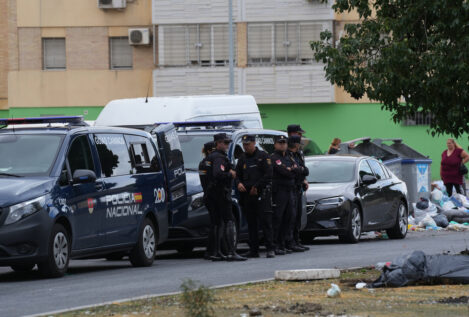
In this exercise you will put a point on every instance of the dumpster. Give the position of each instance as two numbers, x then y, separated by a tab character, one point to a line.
415	168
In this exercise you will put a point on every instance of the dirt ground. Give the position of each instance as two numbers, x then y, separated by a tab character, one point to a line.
278	298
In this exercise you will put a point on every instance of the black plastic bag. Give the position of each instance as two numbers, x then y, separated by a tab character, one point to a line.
441	220
417	267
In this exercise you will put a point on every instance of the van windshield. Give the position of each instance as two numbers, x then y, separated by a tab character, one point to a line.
192	146
28	154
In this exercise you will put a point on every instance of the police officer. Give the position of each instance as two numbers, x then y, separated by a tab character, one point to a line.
300	185
254	182
208	148
295	129
221	176
283	181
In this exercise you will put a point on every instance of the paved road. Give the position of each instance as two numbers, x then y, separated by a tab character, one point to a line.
94	281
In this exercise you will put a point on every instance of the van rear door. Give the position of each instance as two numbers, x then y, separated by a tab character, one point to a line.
171	155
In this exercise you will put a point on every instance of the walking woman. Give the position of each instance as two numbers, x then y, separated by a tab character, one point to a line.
451	161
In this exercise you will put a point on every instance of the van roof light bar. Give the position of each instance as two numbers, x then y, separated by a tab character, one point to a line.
72	120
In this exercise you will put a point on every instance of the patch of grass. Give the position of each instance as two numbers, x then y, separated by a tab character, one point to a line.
308	298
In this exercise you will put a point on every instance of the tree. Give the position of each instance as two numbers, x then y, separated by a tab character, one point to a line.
410	55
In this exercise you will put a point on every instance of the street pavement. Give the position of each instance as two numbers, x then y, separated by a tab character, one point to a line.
95	281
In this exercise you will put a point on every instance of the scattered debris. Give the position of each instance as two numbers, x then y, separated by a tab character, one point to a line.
454	300
334	291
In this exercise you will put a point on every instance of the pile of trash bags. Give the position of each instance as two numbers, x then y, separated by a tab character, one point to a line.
417	267
441	211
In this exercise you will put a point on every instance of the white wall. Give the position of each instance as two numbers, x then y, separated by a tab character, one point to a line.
278	84
216	11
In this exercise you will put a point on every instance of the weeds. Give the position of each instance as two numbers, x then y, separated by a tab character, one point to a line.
197	299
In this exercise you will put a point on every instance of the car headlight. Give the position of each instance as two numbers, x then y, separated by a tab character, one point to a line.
339	200
197	201
20	211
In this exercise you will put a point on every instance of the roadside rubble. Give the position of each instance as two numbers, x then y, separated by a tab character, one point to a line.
441	212
419	268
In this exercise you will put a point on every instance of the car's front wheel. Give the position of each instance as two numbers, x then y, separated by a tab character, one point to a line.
399	231
58	253
354	226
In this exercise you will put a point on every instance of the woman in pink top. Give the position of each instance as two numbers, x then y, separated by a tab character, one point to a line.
451	160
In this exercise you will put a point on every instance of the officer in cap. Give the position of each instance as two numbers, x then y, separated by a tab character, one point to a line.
295	129
254	181
221	176
208	148
293	240
283	181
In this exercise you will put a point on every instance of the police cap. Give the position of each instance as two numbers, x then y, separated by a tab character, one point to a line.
280	139
294	139
292	128
248	138
221	137
209	146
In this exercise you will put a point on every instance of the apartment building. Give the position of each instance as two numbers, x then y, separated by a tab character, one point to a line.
72	57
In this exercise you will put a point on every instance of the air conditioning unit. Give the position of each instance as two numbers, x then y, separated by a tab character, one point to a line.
112	4
140	36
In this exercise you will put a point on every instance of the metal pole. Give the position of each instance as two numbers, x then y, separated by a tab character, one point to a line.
231	57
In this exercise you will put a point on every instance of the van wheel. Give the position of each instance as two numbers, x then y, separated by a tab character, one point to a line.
143	254
23	267
58	253
354	227
399	231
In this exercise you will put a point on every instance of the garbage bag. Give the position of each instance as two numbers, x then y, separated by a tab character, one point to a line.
441	186
441	220
418	267
422	204
437	195
448	205
461	199
461	219
455	213
427	221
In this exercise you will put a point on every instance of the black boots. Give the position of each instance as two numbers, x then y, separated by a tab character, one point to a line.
219	235
231	242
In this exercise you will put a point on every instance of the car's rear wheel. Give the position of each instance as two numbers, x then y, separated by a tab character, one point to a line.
23	267
143	254
58	257
399	231
354	226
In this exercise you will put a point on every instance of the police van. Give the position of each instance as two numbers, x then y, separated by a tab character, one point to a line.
68	191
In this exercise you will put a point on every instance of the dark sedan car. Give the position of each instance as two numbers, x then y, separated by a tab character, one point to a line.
349	195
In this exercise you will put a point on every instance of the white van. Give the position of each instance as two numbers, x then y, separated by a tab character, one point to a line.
139	112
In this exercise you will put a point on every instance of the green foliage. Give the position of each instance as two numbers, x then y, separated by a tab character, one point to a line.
197	299
410	55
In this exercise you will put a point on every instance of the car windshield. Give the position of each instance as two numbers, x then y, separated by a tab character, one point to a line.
191	146
28	154
330	171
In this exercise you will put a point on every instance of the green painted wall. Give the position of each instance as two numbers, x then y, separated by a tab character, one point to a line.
323	122
89	113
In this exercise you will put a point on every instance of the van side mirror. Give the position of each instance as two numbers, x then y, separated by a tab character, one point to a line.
369	179
84	176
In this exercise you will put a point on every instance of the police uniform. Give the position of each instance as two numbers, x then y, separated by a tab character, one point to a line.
301	173
283	181
294	132
204	181
219	195
255	171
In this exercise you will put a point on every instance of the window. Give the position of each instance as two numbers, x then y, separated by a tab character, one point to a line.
120	53
282	42
266	142
53	51
195	44
324	171
113	154
79	155
172	149
419	118
143	155
365	169
376	167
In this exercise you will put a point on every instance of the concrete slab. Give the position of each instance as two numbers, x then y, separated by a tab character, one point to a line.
308	274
